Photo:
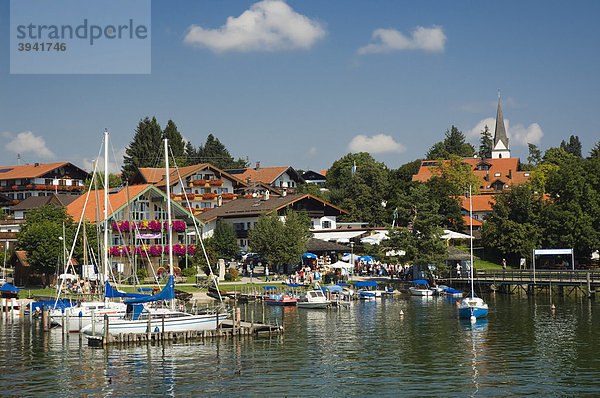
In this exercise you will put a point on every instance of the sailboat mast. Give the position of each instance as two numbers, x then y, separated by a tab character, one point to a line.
471	238
170	230
105	278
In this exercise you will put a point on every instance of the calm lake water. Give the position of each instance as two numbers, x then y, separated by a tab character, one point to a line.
368	349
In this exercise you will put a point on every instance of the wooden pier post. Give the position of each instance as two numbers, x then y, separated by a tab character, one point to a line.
238	316
589	285
105	334
93	322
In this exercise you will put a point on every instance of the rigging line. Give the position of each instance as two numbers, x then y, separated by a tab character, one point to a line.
196	230
87	196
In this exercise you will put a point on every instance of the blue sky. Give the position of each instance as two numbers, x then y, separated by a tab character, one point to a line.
311	81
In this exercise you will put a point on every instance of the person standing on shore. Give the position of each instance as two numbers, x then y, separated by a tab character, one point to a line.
267	273
503	264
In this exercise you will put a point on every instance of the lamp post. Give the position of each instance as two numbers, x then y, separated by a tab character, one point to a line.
352	255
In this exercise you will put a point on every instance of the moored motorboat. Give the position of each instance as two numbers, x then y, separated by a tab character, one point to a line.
313	299
281	299
420	287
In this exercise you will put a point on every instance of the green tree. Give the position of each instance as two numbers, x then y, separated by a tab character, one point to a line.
556	156
361	193
215	153
540	177
459	176
486	143
513	229
146	148
281	243
113	181
573	146
453	144
420	237
224	240
535	155
573	213
449	206
176	143
595	152
40	238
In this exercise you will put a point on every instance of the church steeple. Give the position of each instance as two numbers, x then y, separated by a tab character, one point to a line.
500	148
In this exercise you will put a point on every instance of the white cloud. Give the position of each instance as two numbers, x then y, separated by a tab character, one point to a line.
312	151
114	167
524	135
27	142
268	25
379	143
517	134
387	40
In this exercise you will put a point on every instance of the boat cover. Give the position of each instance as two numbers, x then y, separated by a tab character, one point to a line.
420	282
334	288
365	284
54	304
168	293
7	287
269	287
109	291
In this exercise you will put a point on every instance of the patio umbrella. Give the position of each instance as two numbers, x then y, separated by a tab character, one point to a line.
309	255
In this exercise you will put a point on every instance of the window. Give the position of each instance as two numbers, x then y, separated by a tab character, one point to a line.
141	209
326	224
497	174
159	213
526	174
205	205
222	190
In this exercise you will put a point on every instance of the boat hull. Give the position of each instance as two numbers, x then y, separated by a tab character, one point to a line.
472	307
178	324
420	292
308	305
281	302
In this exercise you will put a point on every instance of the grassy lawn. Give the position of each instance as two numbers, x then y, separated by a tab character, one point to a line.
482	264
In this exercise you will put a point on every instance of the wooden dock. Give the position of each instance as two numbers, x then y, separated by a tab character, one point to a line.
227	329
509	281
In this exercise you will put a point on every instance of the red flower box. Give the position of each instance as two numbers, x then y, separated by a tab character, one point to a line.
209	195
216	182
228	196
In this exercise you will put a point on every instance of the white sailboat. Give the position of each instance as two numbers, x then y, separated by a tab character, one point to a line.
136	320
472	307
83	313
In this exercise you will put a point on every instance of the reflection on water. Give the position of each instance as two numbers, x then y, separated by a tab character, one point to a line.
368	348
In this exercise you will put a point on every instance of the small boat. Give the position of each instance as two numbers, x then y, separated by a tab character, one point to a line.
314	299
420	287
472	307
448	291
367	290
8	291
281	299
139	320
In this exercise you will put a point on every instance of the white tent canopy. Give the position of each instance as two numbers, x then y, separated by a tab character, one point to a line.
454	235
376	238
340	264
350	257
337	236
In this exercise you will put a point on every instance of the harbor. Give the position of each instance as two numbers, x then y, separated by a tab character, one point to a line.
523	347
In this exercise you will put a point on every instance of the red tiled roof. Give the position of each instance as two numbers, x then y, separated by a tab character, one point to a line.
263	174
506	168
28	170
116	201
479	202
155	175
468	220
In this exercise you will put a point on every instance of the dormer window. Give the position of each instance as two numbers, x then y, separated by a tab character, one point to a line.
482	166
497	174
526	174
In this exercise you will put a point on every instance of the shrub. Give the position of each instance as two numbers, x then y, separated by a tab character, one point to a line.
142	273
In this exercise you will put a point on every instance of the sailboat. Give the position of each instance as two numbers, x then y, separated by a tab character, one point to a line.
472	307
82	314
137	320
